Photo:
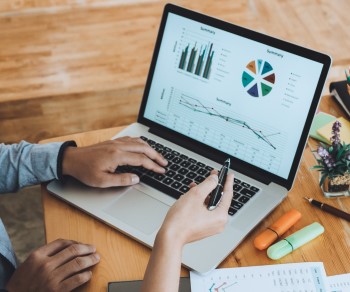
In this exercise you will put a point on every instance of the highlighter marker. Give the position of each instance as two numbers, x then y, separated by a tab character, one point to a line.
294	241
272	233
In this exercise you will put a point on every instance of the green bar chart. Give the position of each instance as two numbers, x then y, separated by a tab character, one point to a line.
197	59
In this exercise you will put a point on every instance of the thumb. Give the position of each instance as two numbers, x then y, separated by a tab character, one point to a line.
205	187
118	180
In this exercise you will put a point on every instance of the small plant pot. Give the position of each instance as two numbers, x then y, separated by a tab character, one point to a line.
336	187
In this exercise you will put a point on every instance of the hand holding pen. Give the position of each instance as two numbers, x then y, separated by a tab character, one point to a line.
217	193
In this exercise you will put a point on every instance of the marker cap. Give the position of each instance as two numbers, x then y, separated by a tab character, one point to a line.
294	241
267	237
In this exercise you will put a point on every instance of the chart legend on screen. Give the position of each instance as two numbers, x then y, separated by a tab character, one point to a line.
258	78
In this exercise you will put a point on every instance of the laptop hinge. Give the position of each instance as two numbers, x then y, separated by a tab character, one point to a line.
241	167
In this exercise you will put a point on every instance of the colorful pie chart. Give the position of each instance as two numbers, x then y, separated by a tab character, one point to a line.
258	78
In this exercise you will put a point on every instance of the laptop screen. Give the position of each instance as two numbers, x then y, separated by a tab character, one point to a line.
237	95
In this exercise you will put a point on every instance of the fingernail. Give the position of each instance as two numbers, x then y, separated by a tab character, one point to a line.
97	256
215	177
135	179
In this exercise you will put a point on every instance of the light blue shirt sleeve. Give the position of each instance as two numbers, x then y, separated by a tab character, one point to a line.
22	165
27	164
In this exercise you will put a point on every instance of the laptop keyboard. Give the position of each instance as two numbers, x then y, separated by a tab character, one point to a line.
181	171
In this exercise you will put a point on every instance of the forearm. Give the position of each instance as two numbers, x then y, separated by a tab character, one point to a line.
26	164
163	270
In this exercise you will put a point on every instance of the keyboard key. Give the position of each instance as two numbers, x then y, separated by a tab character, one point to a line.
207	167
192	160
236	195
187	181
199	179
183	156
159	176
184	189
183	171
170	173
176	185
167	180
200	164
167	149
178	177
169	156
151	142
237	187
158	145
185	163
143	138
203	172
245	184
232	211
191	175
236	205
254	189
243	199
248	193
175	153
193	167
151	173
177	160
174	167
163	152
236	181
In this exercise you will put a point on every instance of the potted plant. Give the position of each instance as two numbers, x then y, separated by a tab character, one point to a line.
334	165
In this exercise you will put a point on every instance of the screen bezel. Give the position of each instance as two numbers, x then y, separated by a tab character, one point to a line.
212	153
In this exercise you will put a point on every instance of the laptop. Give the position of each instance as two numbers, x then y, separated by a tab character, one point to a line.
214	91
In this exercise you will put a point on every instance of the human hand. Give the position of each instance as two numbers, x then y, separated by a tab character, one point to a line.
189	218
95	165
61	265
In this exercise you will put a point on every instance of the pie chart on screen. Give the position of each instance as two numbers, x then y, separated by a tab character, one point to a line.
258	78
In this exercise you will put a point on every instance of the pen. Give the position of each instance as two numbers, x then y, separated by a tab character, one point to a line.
216	194
329	209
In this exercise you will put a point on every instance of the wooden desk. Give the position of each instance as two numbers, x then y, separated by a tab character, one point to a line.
124	259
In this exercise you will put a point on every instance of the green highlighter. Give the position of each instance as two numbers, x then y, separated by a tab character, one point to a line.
294	241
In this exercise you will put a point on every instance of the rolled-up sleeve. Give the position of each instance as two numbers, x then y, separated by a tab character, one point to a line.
27	164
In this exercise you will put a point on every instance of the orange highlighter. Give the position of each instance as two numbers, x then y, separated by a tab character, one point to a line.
271	234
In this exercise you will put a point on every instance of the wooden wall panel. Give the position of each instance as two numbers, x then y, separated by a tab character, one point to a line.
63	54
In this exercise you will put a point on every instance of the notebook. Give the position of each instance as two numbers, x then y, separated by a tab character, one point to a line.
214	91
326	131
321	119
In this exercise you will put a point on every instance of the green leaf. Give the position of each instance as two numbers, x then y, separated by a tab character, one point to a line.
323	177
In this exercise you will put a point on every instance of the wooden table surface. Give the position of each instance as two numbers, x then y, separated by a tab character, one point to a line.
125	259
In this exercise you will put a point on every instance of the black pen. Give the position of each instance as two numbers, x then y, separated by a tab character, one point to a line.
329	209
217	193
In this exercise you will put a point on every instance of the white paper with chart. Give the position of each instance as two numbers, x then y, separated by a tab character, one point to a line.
301	277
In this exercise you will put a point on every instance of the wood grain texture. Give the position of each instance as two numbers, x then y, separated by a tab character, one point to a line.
59	56
126	259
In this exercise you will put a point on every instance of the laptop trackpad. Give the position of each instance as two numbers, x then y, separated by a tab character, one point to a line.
139	210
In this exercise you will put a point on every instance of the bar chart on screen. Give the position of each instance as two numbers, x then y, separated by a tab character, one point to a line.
200	56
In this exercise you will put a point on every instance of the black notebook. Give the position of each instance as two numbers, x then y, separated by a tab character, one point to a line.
339	91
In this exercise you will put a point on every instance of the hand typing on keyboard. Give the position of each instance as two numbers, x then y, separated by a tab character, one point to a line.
95	165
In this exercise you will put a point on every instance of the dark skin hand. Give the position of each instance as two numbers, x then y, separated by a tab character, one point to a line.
61	265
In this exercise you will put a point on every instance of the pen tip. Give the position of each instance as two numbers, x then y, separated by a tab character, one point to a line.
307	199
